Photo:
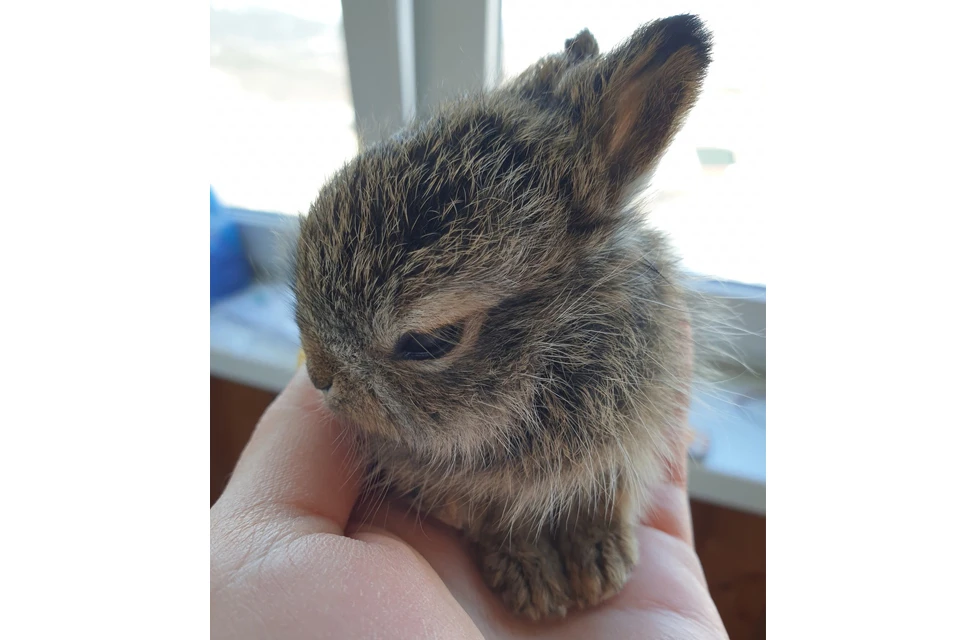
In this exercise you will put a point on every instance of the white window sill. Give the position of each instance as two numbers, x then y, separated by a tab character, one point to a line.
253	341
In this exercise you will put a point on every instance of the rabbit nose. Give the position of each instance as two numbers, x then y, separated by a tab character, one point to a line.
322	382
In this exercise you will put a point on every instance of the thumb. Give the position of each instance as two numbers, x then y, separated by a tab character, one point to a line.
297	462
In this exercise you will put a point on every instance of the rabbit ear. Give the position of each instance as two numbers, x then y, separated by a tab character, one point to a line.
540	80
633	100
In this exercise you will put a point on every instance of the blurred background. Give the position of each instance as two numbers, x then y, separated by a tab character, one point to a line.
299	86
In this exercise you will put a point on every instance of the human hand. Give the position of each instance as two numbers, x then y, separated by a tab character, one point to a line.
294	555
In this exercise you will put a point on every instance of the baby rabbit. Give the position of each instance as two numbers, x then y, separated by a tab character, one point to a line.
504	335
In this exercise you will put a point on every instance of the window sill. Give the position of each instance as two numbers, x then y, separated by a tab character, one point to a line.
253	341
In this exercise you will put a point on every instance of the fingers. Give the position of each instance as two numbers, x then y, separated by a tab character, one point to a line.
670	513
670	510
297	461
677	466
669	507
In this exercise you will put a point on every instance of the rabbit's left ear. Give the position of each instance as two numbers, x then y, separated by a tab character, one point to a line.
540	80
633	100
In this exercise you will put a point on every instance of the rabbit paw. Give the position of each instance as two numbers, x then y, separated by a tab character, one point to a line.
599	559
549	576
528	576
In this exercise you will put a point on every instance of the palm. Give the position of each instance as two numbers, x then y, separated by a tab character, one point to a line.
667	596
288	561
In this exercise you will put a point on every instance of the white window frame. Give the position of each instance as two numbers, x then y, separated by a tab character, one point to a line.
408	55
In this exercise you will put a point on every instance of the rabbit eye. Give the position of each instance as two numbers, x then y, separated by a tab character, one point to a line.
415	345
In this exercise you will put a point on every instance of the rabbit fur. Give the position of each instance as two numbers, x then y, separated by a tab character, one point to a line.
550	405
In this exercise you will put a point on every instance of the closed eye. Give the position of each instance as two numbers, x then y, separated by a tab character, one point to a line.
416	345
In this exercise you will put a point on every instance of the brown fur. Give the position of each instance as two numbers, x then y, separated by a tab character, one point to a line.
541	432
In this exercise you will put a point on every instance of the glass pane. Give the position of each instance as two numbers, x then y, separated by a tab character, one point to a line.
282	117
708	192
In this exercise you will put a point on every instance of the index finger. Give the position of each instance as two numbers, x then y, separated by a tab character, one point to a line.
670	508
297	460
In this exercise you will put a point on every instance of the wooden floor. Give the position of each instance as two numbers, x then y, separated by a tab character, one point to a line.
732	545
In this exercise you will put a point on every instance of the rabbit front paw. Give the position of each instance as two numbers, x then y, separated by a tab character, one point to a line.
548	576
527	575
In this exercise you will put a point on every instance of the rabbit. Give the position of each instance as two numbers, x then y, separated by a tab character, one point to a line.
502	332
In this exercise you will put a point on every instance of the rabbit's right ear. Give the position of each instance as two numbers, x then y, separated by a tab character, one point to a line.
633	100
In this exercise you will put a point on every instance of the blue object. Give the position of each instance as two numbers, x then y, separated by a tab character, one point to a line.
229	269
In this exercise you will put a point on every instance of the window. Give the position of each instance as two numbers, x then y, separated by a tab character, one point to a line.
282	117
707	191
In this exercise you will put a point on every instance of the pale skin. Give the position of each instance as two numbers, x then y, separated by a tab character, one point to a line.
295	555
